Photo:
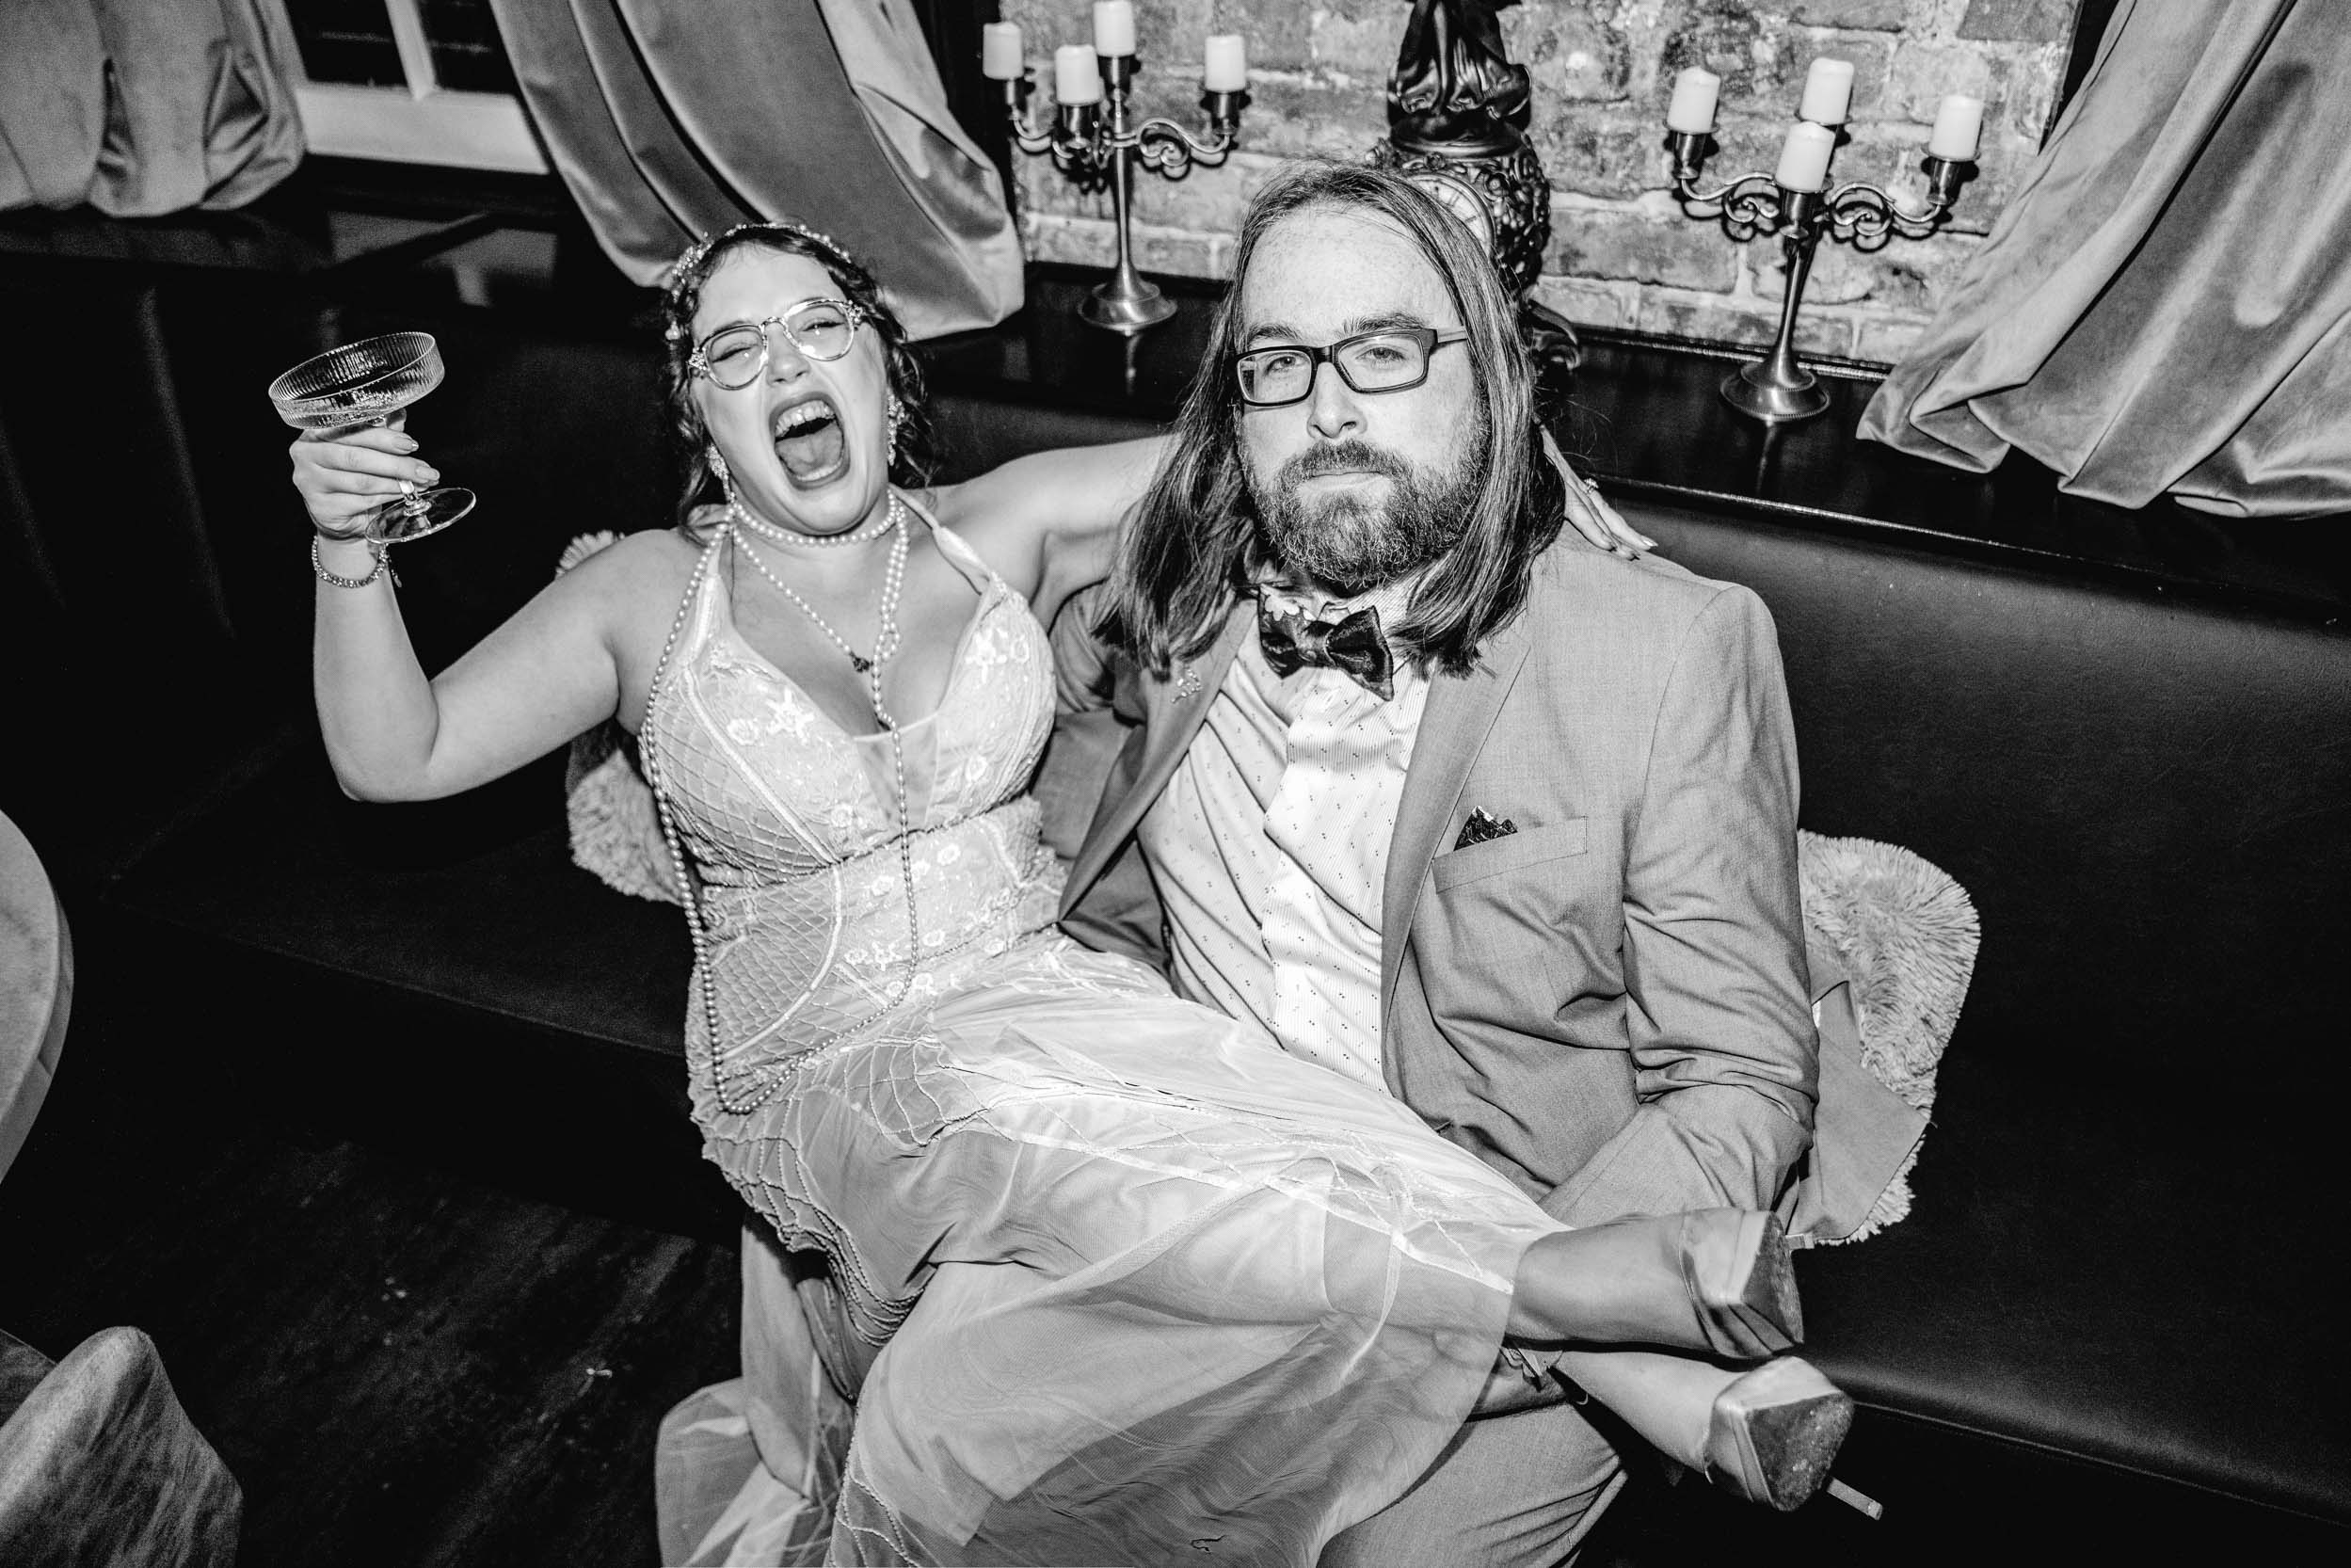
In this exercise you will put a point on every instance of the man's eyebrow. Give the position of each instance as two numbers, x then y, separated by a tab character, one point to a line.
1283	330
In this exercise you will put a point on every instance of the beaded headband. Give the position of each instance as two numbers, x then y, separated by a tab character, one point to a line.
689	263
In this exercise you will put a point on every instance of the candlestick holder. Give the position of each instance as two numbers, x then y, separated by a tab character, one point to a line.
1093	147
1775	387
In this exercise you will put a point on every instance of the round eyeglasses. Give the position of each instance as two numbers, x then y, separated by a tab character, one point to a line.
1394	359
734	357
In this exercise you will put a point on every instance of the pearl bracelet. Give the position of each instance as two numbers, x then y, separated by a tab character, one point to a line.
381	552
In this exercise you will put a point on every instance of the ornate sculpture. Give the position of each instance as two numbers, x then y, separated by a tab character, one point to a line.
1458	111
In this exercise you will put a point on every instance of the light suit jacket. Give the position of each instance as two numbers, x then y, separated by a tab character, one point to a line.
1610	1004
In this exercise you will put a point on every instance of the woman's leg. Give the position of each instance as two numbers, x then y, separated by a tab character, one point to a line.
1714	1280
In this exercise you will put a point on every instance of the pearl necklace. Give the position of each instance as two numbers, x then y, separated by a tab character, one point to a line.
791	538
886	638
767	1080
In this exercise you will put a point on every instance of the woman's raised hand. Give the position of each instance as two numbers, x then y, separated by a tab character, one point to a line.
346	475
1594	518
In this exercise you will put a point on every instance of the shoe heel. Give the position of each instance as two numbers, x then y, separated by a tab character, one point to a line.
1742	1282
1775	1431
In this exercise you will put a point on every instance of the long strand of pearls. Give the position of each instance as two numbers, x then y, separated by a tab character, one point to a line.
766	1082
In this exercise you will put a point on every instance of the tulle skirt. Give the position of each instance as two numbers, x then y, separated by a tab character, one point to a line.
1113	1280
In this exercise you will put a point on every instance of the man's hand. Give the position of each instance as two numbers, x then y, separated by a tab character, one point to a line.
1594	518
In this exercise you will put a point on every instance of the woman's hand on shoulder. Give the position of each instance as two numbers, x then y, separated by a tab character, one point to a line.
1049	523
342	475
1594	518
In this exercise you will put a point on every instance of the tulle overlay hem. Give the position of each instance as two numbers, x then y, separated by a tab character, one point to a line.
1145	1286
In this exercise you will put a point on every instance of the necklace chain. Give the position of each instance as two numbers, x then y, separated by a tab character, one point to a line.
886	638
766	1081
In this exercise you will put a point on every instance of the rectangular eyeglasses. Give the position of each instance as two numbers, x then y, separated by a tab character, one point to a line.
1394	359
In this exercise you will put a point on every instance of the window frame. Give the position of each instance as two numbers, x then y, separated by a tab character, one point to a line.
422	123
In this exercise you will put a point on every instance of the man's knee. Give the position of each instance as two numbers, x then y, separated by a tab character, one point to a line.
1509	1492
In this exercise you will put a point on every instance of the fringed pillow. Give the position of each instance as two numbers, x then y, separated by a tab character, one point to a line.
1904	934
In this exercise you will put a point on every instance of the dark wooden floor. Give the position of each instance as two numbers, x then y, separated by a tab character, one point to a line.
401	1364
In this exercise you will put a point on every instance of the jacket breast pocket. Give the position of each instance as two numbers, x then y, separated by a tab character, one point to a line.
1528	846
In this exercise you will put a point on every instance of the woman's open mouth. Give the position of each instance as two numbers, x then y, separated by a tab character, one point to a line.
809	441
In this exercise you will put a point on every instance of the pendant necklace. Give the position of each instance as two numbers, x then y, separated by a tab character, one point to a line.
886	638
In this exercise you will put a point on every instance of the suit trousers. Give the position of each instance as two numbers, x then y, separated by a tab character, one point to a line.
1517	1491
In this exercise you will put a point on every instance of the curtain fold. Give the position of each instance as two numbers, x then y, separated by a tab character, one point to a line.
669	121
2166	304
141	107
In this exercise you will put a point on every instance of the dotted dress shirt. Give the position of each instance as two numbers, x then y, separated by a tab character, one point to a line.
1270	847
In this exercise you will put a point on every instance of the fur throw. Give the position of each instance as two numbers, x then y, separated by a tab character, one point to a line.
1904	934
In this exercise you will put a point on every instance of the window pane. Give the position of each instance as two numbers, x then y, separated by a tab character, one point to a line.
468	54
346	41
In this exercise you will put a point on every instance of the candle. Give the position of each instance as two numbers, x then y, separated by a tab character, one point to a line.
1113	27
1828	93
1000	51
1958	129
1694	93
1074	77
1227	66
1804	161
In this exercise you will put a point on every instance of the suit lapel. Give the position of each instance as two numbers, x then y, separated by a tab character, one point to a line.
1173	713
1453	728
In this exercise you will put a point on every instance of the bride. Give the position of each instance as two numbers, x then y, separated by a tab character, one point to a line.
1139	1279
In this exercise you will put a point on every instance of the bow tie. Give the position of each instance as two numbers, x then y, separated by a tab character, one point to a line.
1353	644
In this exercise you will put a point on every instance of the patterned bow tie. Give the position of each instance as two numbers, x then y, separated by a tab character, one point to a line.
1353	644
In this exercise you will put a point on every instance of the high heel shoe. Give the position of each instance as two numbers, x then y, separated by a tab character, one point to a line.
1774	1432
1617	1284
1735	1266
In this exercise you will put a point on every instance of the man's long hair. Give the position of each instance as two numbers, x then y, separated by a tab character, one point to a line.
1195	543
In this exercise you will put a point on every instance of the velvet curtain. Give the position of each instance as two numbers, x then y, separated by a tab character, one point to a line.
141	107
668	121
2166	304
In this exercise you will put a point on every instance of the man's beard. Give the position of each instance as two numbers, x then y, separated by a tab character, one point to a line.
1348	543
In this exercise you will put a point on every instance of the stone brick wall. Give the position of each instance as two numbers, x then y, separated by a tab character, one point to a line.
1621	253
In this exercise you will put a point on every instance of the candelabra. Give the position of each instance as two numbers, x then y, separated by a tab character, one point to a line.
1096	141
1797	203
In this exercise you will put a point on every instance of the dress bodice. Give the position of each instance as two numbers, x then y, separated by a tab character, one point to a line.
804	849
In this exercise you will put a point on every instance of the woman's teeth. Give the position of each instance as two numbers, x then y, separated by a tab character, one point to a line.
808	443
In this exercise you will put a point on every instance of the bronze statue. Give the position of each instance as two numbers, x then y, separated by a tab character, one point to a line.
1458	112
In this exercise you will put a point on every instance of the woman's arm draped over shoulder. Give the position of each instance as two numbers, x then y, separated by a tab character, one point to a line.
546	675
1048	523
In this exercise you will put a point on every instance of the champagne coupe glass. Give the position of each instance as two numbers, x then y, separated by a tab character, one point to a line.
365	383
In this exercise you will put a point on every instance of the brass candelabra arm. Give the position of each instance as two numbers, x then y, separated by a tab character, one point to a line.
1024	132
1167	146
1750	205
1866	215
1074	136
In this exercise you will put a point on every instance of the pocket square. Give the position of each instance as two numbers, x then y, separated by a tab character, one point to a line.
1480	827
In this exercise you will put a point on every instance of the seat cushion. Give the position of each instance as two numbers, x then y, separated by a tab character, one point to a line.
2106	1274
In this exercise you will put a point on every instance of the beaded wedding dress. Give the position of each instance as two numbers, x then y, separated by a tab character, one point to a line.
1145	1289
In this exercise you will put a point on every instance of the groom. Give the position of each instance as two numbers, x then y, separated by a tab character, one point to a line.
1443	796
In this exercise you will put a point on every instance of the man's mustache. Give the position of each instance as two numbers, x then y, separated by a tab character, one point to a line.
1349	457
